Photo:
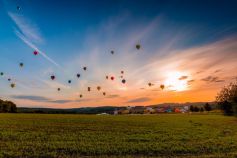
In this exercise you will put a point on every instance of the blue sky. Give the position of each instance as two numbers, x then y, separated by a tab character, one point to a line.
72	34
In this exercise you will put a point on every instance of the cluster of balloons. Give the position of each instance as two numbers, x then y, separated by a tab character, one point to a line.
78	75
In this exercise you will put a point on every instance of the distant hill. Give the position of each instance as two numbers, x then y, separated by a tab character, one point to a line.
102	109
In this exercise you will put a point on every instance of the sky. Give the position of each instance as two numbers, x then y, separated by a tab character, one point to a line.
187	46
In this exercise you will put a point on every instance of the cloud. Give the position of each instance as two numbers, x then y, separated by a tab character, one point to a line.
31	45
45	99
139	100
28	29
29	34
212	79
31	97
183	77
113	96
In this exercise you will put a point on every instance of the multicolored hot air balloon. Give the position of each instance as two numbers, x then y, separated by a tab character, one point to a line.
138	46
52	77
162	86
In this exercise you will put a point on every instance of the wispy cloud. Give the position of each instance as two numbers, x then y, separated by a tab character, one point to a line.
29	34
28	29
139	100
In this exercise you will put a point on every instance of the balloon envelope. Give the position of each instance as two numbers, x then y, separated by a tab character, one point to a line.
52	77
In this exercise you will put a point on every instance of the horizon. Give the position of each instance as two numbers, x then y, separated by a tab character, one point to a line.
188	47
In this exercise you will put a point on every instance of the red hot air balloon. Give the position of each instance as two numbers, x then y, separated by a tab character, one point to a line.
35	52
52	77
112	78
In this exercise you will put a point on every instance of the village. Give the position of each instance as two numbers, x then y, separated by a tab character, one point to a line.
162	109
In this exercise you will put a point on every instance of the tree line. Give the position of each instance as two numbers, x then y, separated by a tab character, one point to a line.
227	99
7	107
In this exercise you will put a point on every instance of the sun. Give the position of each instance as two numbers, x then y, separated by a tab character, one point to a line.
174	81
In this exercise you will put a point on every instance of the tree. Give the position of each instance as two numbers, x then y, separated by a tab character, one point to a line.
196	109
227	99
7	106
207	107
191	108
201	109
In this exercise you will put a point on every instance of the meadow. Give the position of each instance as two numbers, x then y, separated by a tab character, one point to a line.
164	135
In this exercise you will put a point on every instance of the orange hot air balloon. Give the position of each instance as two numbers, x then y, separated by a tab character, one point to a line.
162	86
98	88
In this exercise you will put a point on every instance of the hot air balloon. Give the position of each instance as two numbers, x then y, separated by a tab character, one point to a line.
13	85
98	88
107	77
35	52
121	76
69	81
104	93
112	52
21	64
162	86
59	89
122	72
84	68
89	89
150	84
138	46
112	78
81	95
9	79
78	75
52	77
1	73
123	81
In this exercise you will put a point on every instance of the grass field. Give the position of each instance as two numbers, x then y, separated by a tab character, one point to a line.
181	135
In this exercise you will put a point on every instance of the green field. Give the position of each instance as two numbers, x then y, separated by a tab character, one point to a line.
181	135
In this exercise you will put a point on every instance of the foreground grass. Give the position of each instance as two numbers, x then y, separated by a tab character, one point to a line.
35	135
